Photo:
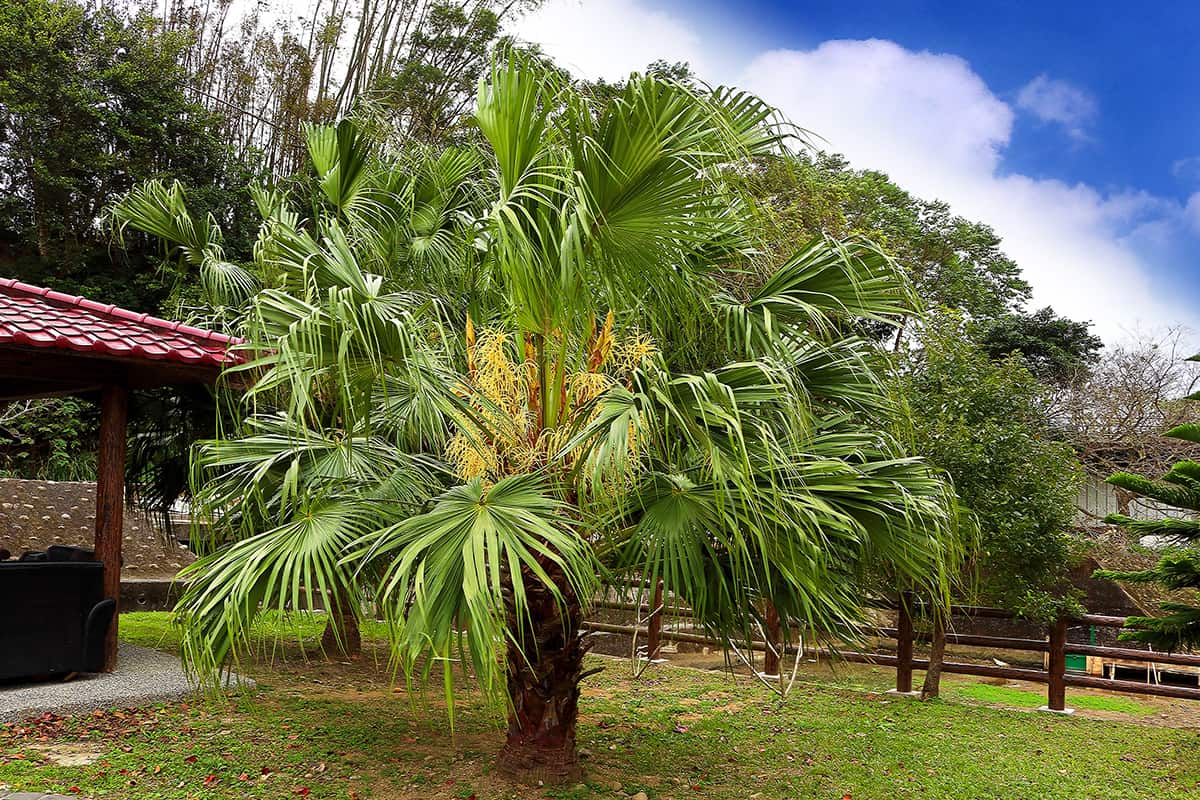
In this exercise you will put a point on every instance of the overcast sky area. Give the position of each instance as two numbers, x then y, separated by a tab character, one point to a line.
1071	130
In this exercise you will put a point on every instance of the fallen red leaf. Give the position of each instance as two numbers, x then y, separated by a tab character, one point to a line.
210	780
190	759
302	791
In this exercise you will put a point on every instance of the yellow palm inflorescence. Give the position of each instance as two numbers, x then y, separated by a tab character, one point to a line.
506	436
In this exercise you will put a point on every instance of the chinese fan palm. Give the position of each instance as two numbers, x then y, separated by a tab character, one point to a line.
466	398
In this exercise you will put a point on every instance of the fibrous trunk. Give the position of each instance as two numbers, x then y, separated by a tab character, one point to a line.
341	636
544	668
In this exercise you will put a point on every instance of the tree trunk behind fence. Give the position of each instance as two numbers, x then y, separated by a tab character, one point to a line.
341	637
937	653
654	628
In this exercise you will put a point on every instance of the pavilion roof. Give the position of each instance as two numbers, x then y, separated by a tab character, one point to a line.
55	343
38	317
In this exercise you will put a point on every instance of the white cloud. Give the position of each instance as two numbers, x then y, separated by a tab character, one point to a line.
1192	211
871	100
1058	101
611	38
931	122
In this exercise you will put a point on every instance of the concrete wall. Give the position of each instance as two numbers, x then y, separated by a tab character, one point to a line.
37	514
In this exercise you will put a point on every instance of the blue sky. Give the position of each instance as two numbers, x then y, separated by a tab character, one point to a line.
1072	128
1132	59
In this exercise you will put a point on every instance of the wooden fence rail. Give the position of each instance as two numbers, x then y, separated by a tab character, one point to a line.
1055	675
1056	646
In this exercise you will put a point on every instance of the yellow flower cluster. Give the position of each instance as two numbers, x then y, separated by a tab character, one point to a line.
505	436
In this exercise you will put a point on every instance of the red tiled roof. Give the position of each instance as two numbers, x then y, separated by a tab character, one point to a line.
37	317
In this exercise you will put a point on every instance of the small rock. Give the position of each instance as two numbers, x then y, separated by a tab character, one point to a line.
639	796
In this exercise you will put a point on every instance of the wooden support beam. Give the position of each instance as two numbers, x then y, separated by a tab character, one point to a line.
110	501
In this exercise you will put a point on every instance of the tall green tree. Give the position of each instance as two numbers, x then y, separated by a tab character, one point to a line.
92	102
408	65
1178	569
984	423
430	92
461	400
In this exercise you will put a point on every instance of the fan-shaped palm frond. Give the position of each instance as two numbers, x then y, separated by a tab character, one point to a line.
162	211
464	564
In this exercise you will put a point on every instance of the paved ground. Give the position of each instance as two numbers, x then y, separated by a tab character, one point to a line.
143	677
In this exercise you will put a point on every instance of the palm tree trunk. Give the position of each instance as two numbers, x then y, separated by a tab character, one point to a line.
341	637
937	653
544	669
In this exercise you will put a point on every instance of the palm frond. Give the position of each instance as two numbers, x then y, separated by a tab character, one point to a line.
467	563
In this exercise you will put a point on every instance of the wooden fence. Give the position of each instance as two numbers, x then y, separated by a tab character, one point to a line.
1055	674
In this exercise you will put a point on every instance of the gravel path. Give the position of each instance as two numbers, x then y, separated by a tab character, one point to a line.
143	677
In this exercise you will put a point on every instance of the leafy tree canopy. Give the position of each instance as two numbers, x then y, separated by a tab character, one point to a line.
92	102
952	262
1055	349
982	421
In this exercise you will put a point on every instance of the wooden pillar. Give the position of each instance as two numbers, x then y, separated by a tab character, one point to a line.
904	644
110	501
774	639
654	627
1056	698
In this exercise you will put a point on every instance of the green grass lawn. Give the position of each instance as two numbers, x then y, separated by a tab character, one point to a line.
1025	698
325	729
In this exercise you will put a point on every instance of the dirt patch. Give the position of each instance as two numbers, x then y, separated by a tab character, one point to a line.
71	754
730	708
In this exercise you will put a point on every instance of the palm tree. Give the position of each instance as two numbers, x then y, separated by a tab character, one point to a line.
486	379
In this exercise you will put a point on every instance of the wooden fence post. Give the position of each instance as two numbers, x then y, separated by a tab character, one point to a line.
774	640
904	644
654	624
1056	694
